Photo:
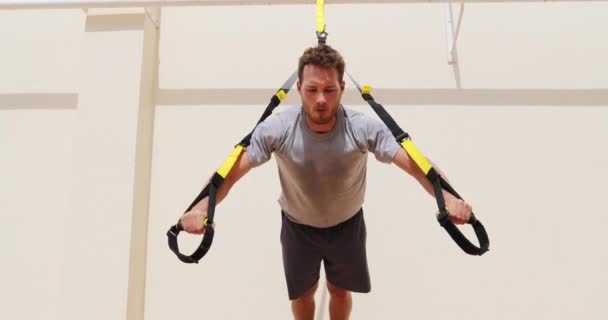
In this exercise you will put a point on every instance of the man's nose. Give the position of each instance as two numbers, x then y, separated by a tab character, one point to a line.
321	98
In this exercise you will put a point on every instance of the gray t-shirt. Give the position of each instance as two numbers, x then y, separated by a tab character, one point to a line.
322	175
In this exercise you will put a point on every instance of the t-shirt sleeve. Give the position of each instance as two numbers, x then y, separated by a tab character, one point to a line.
378	138
265	140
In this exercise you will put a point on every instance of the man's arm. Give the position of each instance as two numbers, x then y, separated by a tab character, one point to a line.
192	221
458	210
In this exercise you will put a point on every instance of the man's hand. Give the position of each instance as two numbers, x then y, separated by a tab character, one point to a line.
192	221
459	210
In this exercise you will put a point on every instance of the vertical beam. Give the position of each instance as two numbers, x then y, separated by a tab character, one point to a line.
452	32
451	38
143	168
105	249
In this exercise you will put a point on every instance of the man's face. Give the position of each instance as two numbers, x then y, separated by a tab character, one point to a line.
321	91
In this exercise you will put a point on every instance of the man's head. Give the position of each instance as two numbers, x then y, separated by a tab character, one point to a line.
320	84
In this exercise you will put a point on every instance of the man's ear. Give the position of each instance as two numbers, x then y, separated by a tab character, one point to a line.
342	84
299	86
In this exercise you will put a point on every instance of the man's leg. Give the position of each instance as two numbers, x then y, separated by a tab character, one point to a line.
340	302
303	307
302	263
346	267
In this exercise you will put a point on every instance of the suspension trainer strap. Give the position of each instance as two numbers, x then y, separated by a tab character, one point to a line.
321	33
438	182
217	180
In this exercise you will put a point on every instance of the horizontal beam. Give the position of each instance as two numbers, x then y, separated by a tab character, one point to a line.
396	96
77	4
386	96
26	101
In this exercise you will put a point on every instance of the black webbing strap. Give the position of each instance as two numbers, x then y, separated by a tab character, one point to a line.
439	183
217	180
275	101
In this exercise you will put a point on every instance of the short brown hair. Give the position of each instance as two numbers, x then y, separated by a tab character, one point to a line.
322	56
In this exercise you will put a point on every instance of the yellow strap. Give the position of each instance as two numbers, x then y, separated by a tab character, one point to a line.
366	89
320	16
281	95
415	154
229	163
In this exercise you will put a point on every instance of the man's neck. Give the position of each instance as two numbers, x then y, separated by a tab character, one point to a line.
321	128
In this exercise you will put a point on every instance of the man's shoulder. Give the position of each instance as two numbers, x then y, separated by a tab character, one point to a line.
280	122
358	117
290	113
285	116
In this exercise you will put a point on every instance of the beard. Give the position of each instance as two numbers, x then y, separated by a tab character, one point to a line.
321	116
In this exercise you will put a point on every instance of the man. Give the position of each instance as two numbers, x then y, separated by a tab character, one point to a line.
321	151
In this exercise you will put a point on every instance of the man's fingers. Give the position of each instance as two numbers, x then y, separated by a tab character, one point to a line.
469	212
463	212
458	221
192	222
459	216
459	211
195	230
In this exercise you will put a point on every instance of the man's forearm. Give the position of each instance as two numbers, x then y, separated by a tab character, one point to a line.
221	194
405	162
238	171
425	183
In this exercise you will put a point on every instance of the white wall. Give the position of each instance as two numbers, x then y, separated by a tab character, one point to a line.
39	66
525	184
512	142
521	140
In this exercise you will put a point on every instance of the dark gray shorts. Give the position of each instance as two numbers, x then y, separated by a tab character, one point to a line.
341	248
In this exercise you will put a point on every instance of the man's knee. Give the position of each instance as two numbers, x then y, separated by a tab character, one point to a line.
308	295
337	293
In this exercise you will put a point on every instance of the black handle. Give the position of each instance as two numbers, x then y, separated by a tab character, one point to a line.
209	191
439	185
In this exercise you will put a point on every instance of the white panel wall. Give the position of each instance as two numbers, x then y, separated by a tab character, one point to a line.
540	207
521	142
39	63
